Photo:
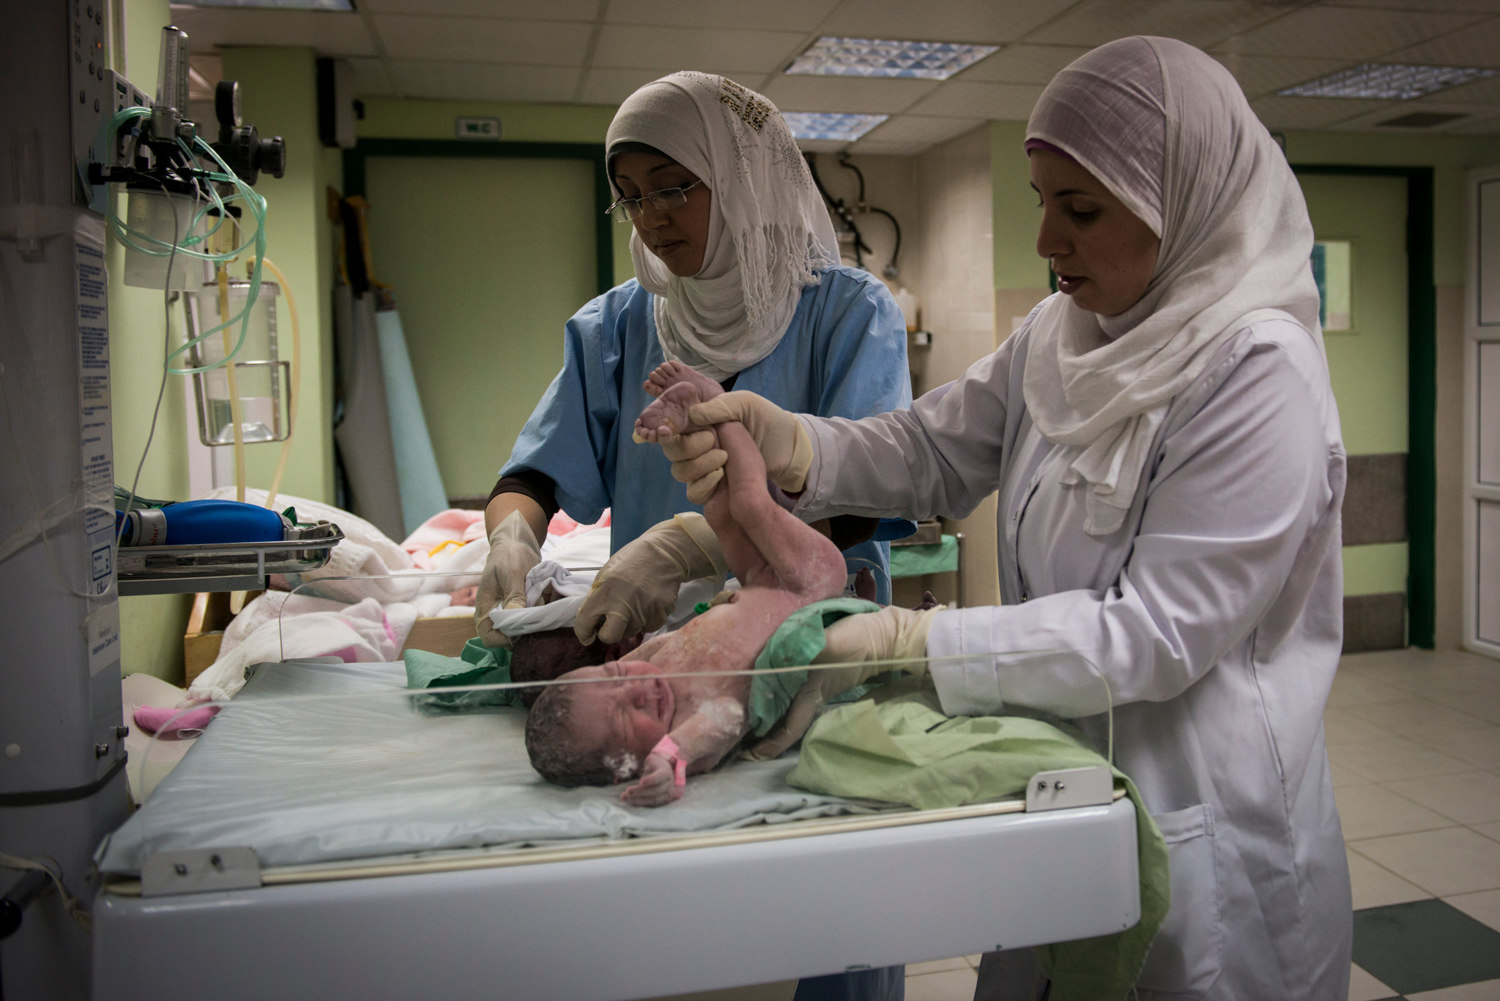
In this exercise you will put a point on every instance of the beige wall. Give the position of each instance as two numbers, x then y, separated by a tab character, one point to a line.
956	240
942	201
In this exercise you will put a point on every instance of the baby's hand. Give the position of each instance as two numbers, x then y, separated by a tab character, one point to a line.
656	786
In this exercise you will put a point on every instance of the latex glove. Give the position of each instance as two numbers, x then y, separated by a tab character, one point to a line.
781	438
637	587
861	643
513	552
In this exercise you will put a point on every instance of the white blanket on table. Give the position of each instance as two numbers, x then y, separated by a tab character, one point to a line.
362	604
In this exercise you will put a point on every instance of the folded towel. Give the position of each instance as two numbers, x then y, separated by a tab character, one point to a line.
181	723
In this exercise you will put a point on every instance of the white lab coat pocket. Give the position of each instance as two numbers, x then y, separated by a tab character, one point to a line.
1185	957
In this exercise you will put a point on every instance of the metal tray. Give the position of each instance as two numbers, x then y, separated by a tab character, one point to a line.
227	566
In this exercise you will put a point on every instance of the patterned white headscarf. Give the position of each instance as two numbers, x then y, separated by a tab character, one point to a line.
769	234
1168	131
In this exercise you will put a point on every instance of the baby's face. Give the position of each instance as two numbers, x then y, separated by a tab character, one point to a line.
625	717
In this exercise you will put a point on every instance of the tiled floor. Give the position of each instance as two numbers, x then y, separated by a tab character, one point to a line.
1414	738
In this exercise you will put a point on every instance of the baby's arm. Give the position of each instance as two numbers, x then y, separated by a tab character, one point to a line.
702	740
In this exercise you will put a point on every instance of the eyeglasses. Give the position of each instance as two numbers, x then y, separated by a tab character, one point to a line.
627	209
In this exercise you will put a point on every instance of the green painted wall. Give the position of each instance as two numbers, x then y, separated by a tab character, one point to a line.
487	258
277	88
390	118
1016	212
1368	362
1449	156
393	118
485	328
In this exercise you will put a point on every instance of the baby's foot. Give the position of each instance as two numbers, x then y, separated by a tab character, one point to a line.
670	373
668	417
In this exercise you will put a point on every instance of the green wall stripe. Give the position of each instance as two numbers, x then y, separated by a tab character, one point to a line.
604	251
1421	325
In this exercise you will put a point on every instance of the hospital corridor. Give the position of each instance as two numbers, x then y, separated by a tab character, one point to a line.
1414	737
797	500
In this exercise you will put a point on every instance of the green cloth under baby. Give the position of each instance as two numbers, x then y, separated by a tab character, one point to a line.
796	642
897	746
476	664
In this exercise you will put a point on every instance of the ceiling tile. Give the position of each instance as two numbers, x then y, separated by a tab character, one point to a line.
997	101
1200	22
782	15
923	129
862	95
1371	121
874	147
1343	33
1475	45
982	21
1022	63
1482	126
602	85
599	51
672	48
471	81
1479	92
1279	113
515	10
1452	6
1265	75
330	34
555	43
372	77
822	145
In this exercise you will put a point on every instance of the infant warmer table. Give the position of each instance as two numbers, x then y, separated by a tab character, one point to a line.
331	835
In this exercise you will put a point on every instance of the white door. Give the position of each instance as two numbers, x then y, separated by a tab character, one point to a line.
1482	417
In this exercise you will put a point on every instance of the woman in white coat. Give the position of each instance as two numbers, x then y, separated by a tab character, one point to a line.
1166	448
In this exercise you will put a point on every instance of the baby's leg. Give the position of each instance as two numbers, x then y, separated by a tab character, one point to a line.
669	415
796	555
757	535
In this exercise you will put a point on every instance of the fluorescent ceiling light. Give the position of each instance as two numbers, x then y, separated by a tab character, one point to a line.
830	125
334	5
883	57
1387	81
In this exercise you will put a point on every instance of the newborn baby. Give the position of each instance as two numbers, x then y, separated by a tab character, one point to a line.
664	728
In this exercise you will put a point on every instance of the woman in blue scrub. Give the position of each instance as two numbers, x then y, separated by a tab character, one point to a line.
737	275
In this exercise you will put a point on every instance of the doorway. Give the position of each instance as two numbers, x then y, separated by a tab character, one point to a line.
1373	228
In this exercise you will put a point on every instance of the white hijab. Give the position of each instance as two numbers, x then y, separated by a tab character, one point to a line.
1168	131
779	237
